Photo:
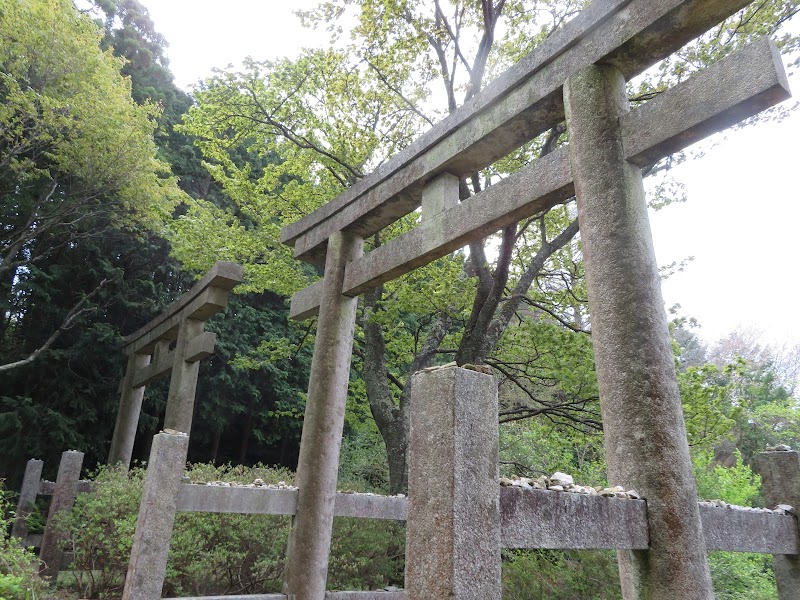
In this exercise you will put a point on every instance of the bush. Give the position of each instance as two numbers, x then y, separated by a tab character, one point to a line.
213	554
567	575
19	577
366	554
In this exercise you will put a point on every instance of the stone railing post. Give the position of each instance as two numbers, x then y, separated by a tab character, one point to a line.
453	525
645	433
148	563
780	480
27	497
64	493
318	464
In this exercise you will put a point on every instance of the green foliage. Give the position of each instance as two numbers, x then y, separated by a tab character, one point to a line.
573	575
742	576
19	577
737	484
707	398
366	554
218	553
73	145
362	467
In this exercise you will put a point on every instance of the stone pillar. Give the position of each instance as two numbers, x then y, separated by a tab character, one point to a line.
318	464
66	489
453	524
183	382
151	541
645	433
780	480
130	405
27	497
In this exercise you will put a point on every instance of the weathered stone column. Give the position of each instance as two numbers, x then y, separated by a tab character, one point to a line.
453	525
130	405
151	541
318	464
183	382
645	433
780	480
64	493
27	497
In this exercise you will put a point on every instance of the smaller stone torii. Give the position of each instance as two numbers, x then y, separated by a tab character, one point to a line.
172	344
578	74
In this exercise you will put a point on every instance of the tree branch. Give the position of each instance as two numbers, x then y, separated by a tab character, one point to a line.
69	320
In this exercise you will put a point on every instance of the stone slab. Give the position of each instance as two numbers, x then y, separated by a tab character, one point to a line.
559	520
242	500
729	91
740	531
632	35
46	487
272	501
377	595
706	102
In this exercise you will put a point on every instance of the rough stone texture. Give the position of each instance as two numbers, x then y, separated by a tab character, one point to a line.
453	526
780	480
183	381
130	406
206	298
318	463
742	85
46	488
305	303
242	500
545	519
66	488
633	34
151	541
368	506
735	530
328	596
271	501
27	497
439	194
675	119
645	434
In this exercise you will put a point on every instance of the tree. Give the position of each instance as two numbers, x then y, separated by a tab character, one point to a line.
77	155
335	114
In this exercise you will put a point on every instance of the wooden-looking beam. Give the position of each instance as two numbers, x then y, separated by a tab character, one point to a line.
737	87
206	298
518	106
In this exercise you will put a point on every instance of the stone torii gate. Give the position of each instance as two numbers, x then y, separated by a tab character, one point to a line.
151	358
578	74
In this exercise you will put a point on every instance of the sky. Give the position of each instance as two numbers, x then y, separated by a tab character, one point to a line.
740	221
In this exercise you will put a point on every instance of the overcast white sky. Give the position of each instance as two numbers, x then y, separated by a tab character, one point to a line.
742	215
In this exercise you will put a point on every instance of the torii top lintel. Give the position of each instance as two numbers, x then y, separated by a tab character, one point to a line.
524	102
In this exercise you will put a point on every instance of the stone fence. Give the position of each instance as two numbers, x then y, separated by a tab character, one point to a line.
62	492
458	515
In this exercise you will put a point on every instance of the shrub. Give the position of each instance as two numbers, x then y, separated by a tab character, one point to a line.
567	575
19	577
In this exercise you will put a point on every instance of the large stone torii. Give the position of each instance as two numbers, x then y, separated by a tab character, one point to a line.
578	74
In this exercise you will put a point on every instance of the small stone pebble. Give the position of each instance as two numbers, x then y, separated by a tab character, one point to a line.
562	482
781	509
